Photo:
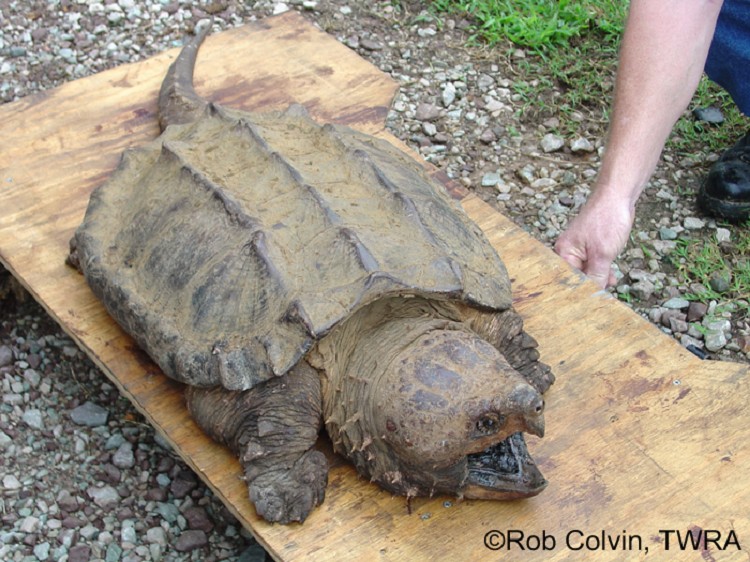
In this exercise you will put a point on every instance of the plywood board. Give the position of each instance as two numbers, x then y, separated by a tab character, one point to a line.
641	436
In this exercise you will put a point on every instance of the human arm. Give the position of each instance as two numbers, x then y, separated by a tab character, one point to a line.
663	53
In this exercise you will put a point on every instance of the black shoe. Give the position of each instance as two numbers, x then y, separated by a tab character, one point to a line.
726	191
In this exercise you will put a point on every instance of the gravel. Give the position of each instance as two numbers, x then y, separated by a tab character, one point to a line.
83	476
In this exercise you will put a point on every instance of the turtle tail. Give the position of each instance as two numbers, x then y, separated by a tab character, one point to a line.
178	101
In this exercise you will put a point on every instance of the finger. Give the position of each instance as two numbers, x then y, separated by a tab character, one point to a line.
599	272
569	256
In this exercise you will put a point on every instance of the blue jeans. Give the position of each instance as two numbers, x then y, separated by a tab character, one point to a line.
728	62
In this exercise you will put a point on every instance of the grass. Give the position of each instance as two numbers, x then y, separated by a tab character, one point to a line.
689	134
571	46
538	24
700	261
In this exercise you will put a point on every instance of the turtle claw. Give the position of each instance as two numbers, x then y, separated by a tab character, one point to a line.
284	496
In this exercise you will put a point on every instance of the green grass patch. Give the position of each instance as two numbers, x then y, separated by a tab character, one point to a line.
571	46
723	270
539	24
690	135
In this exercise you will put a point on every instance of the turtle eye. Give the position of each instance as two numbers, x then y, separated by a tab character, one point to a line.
490	423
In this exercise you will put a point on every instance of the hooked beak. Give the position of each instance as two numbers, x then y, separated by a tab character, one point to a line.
535	425
530	405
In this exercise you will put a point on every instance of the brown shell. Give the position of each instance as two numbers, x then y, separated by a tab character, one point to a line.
230	245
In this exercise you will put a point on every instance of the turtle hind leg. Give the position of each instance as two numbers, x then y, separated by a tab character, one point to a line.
505	331
272	428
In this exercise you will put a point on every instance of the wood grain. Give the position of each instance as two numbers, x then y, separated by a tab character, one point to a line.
641	436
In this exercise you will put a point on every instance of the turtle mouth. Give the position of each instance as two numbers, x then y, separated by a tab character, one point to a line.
503	471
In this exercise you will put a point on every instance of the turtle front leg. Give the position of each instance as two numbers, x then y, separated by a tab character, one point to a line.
504	330
272	428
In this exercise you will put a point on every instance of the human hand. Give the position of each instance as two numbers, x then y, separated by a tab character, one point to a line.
595	237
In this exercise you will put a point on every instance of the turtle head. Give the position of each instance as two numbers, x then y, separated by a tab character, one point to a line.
446	415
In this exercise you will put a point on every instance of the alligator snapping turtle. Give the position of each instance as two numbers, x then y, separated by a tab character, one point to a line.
292	273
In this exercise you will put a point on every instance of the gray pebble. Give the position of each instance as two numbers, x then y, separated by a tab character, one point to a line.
114	442
370	45
67	54
543	183
494	105
449	94
29	524
156	535
427	112
105	497
678	325
655	314
90	415
6	356
488	136
33	418
642	289
717	324
715	340
551	143
709	114
67	501
12	398
666	233
664	247
723	235
668	315
526	174
687	339
89	532
123	457
693	223
32	377
676	303
490	179
39	34
128	534
105	538
429	129
719	282
113	554
581	144
10	482
168	511
41	551
485	82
